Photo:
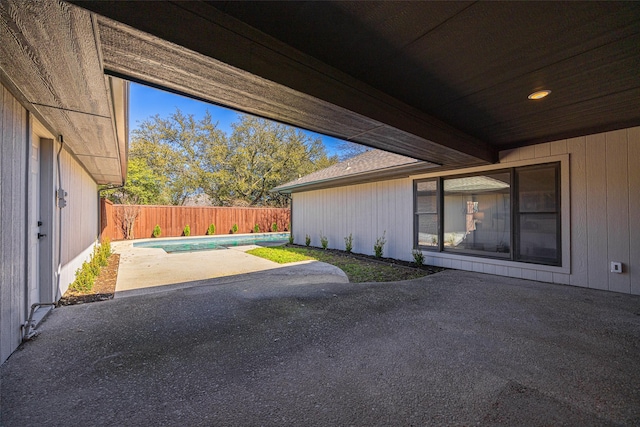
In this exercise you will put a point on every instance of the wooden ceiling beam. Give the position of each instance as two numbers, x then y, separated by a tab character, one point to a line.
211	33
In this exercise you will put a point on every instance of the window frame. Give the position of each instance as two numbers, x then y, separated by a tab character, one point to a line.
417	214
515	214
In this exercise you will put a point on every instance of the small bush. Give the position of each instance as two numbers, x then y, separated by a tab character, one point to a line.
87	273
307	240
105	249
156	231
256	228
211	230
324	241
84	279
348	243
187	230
291	238
418	257
234	229
378	247
274	227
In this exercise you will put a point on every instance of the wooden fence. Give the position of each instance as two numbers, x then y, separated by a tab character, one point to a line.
172	219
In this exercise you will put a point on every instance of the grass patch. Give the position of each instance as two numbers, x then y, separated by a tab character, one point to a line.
358	268
279	254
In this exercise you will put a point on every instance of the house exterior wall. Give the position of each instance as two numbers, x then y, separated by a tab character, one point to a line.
14	146
364	210
79	219
74	229
600	186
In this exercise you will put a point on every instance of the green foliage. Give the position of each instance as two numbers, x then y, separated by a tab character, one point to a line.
274	227
348	243
379	245
87	273
357	270
84	279
279	254
418	257
177	157
256	228
211	230
291	238
324	241
156	231
307	240
142	187
234	228
187	230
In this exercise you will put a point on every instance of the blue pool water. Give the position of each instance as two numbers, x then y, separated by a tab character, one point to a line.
214	242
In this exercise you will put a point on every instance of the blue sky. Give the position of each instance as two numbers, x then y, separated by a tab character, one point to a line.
146	102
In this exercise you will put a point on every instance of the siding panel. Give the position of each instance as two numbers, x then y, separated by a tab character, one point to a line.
13	168
618	208
579	237
634	207
596	195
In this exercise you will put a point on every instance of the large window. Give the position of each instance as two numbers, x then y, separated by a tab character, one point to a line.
538	220
426	209
477	212
509	214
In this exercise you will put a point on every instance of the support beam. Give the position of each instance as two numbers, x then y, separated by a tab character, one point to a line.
387	123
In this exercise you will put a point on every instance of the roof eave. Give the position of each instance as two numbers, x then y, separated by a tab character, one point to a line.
394	172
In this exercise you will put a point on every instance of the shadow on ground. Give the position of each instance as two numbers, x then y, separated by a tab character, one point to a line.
454	348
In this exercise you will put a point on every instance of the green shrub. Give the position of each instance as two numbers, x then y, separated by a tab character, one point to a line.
187	230
324	241
105	250
379	245
256	228
211	230
291	238
156	231
234	229
418	257
87	273
307	240
84	279
348	243
274	227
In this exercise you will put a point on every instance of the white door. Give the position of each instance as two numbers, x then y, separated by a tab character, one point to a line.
34	218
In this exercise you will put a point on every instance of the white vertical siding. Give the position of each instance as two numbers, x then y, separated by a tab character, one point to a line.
365	210
79	221
633	159
601	196
605	199
14	146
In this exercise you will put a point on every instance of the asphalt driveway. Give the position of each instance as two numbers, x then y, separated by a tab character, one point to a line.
453	348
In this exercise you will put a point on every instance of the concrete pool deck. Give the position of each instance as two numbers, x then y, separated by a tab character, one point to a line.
147	270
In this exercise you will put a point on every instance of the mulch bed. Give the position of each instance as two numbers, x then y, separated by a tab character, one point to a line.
103	288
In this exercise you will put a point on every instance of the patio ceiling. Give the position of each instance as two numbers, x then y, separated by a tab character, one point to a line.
445	82
50	60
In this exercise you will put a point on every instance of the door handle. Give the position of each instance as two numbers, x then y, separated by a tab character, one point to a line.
40	235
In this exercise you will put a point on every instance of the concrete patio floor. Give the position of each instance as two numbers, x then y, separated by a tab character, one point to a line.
453	348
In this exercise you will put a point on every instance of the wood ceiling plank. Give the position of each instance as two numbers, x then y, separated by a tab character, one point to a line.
220	36
128	52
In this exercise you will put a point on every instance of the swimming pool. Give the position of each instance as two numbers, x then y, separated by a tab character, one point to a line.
190	244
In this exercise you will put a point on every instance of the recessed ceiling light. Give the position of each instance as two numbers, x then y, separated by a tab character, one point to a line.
539	94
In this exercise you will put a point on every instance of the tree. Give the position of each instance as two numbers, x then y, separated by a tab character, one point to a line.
259	156
142	186
350	149
178	157
170	149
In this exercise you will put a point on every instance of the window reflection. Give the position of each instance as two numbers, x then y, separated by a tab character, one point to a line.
477	214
